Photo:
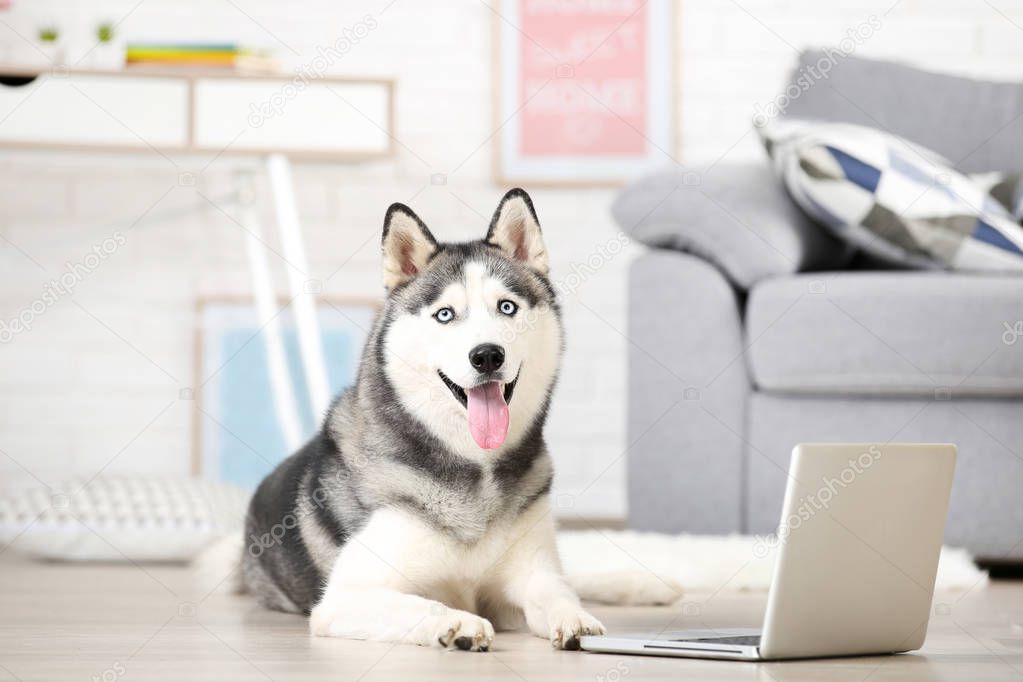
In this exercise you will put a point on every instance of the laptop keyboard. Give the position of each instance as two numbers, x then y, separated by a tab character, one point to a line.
744	640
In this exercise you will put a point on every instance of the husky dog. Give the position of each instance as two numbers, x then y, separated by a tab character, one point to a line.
420	512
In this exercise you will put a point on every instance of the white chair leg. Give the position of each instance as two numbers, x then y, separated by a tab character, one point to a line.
267	312
304	305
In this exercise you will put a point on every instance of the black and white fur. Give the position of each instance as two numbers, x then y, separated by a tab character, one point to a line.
392	524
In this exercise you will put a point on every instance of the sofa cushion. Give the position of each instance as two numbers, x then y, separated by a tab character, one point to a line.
976	124
892	198
908	333
735	216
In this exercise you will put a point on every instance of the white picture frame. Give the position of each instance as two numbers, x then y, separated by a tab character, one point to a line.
606	112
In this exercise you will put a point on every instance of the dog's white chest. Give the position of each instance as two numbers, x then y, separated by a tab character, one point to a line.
409	553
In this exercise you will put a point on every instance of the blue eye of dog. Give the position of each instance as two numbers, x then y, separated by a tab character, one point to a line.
444	315
507	307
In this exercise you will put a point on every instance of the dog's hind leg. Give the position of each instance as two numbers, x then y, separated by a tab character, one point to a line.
375	587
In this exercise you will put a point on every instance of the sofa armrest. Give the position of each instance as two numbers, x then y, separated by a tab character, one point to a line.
687	397
736	216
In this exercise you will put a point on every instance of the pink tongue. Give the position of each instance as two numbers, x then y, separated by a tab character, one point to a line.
488	415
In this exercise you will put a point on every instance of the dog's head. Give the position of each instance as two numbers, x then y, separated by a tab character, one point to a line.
472	334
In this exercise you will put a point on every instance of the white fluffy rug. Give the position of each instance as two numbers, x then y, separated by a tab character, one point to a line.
707	563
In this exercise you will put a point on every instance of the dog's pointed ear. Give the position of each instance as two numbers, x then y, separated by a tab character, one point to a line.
407	245
516	231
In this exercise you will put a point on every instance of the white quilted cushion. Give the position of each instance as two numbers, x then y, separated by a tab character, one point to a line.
120	518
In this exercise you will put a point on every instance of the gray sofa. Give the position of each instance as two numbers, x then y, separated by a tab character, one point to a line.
752	329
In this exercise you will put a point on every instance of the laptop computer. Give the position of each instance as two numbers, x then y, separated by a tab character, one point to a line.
857	555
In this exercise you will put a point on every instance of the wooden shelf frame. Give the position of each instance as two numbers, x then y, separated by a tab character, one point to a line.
191	76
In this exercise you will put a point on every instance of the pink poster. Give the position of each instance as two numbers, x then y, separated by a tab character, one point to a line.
583	78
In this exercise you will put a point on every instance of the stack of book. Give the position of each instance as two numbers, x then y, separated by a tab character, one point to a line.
225	55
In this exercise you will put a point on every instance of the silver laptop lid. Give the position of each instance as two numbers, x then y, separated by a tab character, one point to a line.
859	537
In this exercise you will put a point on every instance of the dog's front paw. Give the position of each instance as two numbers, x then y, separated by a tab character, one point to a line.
462	630
569	624
321	618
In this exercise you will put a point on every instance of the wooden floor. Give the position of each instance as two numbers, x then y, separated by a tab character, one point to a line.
64	622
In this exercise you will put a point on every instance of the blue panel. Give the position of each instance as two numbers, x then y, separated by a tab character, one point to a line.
251	442
247	417
864	175
989	235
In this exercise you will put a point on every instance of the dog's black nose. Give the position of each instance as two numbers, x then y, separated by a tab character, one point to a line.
486	357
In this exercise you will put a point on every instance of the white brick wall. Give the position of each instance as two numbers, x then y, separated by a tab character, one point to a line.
75	393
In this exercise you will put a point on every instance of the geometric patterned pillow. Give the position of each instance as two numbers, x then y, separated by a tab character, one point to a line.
893	198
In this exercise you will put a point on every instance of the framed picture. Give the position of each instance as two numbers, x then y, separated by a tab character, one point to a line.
239	435
585	90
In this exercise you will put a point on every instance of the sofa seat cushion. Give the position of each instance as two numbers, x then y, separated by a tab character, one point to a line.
881	333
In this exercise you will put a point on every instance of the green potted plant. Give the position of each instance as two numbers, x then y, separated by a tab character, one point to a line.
105	33
49	43
108	51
